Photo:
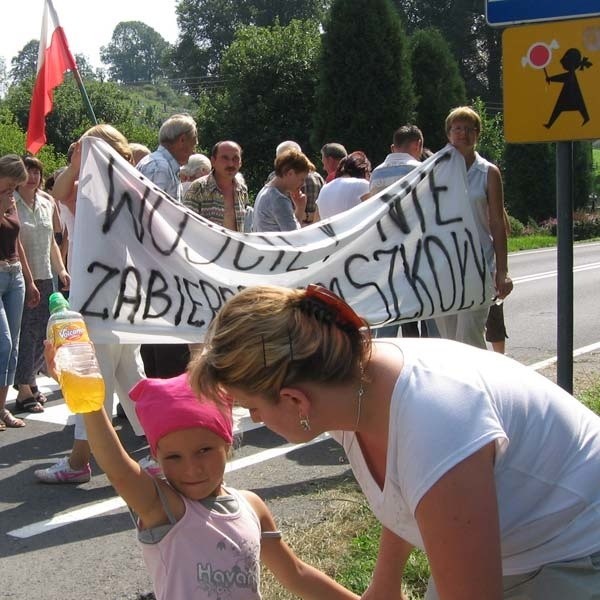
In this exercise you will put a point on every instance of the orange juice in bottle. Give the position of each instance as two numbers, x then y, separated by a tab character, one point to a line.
76	364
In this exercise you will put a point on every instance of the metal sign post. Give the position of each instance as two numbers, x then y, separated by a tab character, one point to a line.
564	231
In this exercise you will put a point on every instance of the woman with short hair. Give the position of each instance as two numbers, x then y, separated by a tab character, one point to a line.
280	206
486	197
349	187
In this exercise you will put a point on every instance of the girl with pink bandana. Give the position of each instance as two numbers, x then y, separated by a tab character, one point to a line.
200	539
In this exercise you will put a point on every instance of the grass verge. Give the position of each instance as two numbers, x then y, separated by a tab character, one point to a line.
344	541
530	242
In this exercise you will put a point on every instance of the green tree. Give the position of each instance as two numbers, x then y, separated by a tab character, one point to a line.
270	75
491	143
84	67
135	53
475	45
24	64
207	28
365	87
583	173
3	77
69	119
12	141
438	84
530	181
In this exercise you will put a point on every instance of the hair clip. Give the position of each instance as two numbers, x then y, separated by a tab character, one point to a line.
344	313
264	348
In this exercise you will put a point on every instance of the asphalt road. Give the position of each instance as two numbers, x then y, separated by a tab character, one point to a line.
76	542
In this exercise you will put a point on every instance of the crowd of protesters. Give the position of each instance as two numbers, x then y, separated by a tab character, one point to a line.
471	495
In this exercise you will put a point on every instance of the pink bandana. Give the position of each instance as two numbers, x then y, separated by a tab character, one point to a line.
166	405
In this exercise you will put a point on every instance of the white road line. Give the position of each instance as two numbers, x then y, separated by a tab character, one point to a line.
546	274
100	508
578	352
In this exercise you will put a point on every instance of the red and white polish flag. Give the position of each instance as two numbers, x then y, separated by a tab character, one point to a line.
54	59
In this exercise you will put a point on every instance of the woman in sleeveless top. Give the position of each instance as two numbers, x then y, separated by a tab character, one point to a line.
484	186
16	283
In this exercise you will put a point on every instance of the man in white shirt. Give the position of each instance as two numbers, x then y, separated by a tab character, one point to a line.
406	148
405	155
177	138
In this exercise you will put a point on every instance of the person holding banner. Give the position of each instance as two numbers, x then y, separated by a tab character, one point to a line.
484	186
481	462
120	364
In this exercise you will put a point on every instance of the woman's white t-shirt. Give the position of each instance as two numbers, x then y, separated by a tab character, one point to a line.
450	400
340	195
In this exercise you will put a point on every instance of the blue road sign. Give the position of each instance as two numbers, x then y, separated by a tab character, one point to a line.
511	12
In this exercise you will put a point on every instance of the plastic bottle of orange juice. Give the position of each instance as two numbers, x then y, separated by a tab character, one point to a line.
76	364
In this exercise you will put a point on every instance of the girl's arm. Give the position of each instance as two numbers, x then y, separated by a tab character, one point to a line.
387	576
495	197
130	481
32	294
458	520
295	575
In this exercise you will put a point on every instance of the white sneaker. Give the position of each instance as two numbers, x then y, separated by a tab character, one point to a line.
61	472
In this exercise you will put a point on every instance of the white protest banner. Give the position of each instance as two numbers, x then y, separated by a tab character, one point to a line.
146	269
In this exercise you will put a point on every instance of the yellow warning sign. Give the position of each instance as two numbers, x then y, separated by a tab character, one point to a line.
552	81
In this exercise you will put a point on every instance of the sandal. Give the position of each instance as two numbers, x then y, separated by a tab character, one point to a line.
10	420
2	426
38	395
30	405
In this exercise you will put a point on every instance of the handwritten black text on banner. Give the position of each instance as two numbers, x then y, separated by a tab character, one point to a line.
147	269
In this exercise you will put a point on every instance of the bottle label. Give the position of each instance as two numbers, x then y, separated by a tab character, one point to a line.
69	332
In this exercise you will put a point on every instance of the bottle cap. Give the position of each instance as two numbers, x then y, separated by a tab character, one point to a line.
57	302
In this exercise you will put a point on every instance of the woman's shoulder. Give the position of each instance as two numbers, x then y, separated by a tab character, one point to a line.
482	163
45	199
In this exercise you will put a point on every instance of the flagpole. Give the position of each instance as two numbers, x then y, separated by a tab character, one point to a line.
85	97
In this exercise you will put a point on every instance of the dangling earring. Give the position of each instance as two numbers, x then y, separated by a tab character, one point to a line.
304	423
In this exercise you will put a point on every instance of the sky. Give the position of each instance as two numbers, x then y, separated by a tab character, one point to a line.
88	24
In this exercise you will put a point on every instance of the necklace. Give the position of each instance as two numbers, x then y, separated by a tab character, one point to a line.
361	393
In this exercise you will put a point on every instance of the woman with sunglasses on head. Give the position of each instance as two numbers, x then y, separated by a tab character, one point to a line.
484	187
484	464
